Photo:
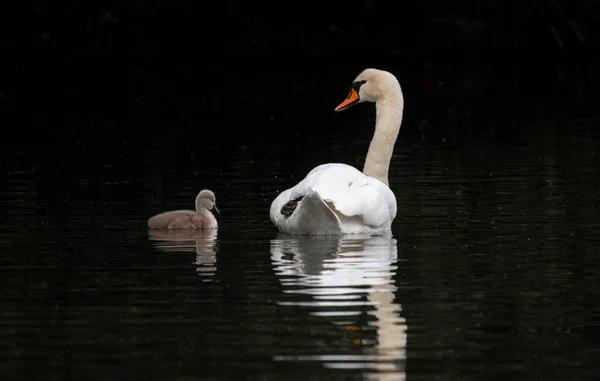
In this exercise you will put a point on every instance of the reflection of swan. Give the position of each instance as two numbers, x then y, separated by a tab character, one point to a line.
347	277
202	242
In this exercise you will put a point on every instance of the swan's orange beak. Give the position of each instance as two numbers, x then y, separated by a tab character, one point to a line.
350	100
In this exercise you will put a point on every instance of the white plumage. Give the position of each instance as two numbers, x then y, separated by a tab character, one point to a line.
338	198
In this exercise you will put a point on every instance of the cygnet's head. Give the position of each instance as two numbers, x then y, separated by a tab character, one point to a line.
206	199
371	85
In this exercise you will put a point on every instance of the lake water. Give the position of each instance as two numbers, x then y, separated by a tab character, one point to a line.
491	272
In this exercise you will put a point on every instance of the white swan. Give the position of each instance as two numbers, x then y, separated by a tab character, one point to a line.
337	198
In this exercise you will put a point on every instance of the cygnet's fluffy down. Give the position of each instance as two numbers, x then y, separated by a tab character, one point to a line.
202	218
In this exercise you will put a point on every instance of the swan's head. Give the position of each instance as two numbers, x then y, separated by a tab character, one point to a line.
370	86
206	199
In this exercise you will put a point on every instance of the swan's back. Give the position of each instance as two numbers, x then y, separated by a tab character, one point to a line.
351	193
357	203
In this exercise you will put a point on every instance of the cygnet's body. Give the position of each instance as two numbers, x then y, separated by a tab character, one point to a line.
202	218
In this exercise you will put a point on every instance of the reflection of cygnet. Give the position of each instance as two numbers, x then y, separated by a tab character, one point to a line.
206	256
202	218
203	242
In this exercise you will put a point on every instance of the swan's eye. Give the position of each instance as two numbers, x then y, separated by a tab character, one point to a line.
356	85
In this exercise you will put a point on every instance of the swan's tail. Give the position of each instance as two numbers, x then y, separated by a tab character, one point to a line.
312	216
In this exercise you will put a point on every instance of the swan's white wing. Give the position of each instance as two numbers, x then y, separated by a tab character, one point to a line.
355	198
366	200
312	216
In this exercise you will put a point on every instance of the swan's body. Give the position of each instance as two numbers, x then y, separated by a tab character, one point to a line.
338	198
202	218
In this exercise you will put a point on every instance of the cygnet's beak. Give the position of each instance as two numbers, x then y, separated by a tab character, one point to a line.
350	100
215	210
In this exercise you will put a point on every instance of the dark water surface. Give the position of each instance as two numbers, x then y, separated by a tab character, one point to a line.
491	274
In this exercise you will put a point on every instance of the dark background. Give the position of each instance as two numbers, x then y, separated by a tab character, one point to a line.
111	112
127	74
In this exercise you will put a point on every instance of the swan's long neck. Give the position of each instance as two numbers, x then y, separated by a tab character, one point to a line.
389	117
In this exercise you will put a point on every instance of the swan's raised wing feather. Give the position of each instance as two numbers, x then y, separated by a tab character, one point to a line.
365	201
351	192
